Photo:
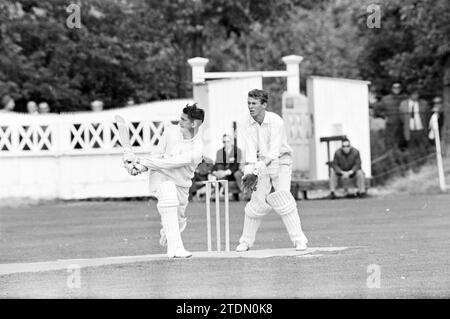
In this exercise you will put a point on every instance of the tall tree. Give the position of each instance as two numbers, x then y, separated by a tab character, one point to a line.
412	45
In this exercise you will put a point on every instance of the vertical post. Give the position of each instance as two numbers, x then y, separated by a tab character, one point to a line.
61	143
437	140
292	67
198	69
235	138
216	184
227	217
15	132
208	214
328	156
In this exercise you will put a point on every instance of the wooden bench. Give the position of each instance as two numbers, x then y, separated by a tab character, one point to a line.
297	186
305	185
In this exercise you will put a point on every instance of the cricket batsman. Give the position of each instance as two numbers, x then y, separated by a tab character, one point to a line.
268	164
171	169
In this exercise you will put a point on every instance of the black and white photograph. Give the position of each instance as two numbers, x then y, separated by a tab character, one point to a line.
244	150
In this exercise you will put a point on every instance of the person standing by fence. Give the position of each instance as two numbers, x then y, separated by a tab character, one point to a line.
388	108
414	117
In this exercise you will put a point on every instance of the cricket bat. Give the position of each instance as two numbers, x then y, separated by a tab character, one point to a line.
124	135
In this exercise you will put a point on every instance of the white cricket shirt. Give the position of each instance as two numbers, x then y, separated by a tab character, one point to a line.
176	157
264	143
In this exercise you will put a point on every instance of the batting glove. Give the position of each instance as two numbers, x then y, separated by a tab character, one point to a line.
129	157
139	167
130	168
249	182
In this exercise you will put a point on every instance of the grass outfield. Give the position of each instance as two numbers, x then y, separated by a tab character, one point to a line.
407	236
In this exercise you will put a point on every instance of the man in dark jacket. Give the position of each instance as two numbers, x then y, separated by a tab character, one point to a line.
228	160
345	168
387	108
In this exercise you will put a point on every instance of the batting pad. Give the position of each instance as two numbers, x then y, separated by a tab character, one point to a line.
182	220
284	204
294	227
168	209
167	195
182	225
251	226
256	208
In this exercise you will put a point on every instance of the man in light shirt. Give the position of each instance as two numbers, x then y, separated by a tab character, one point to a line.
415	116
268	160
171	169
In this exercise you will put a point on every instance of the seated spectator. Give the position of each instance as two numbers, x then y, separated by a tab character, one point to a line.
32	107
7	104
227	165
44	108
346	168
201	174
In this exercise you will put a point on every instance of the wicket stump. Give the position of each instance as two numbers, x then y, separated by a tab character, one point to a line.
218	219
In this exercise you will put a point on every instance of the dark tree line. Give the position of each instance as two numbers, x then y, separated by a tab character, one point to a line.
137	49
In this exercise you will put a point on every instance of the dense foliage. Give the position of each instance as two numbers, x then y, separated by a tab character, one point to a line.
137	49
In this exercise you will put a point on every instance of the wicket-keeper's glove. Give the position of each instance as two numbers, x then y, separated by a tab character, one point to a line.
249	182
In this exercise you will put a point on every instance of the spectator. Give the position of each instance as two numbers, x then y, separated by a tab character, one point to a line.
44	108
346	168
388	108
227	165
97	106
7	104
438	112
201	174
414	117
32	107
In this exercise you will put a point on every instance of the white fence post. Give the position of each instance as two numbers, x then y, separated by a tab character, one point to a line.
292	67
198	69
437	140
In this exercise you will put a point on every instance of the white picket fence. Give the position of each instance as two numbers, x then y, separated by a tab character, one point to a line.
77	155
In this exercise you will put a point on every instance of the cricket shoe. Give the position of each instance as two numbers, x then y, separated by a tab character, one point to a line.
300	246
179	253
163	238
242	247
